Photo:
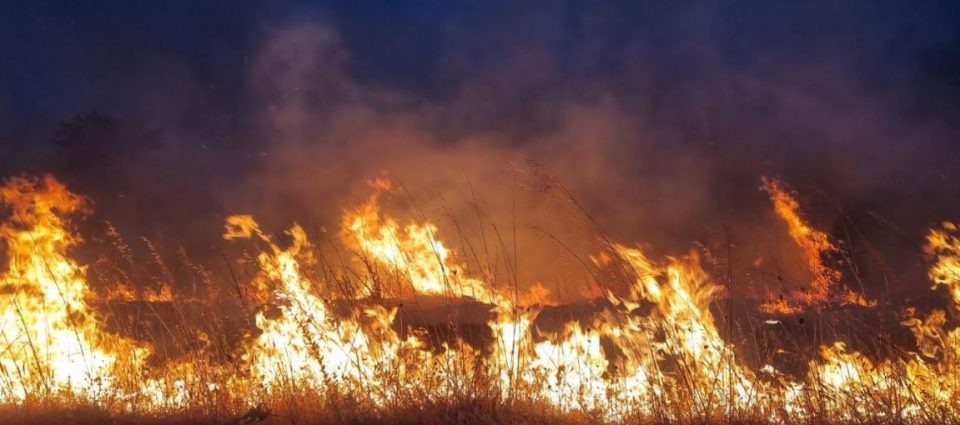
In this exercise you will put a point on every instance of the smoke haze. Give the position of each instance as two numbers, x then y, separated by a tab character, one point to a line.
659	119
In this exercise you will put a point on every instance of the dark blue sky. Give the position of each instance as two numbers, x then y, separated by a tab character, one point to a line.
64	57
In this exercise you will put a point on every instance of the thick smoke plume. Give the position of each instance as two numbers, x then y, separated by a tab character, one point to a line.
549	125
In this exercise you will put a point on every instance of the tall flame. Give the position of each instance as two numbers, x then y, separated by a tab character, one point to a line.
413	250
945	244
52	341
654	354
815	245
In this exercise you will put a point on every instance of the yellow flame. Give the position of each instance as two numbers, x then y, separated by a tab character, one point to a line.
655	353
414	250
945	244
52	342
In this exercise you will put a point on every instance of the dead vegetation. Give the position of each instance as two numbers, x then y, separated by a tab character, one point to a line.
288	334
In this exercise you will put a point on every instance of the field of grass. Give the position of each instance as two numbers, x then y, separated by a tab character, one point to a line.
285	334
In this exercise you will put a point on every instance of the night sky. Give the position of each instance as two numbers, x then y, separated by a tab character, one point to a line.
655	113
174	64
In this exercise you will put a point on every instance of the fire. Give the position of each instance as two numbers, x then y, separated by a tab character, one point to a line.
653	353
412	250
53	343
945	244
682	332
307	346
304	345
815	245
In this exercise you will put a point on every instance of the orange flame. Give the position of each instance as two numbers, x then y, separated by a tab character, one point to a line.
815	245
413	250
52	342
654	354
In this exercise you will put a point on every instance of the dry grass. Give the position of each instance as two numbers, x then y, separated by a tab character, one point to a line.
204	331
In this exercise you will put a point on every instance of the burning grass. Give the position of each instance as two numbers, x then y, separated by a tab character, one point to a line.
329	342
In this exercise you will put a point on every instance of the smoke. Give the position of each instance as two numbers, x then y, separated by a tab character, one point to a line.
658	119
